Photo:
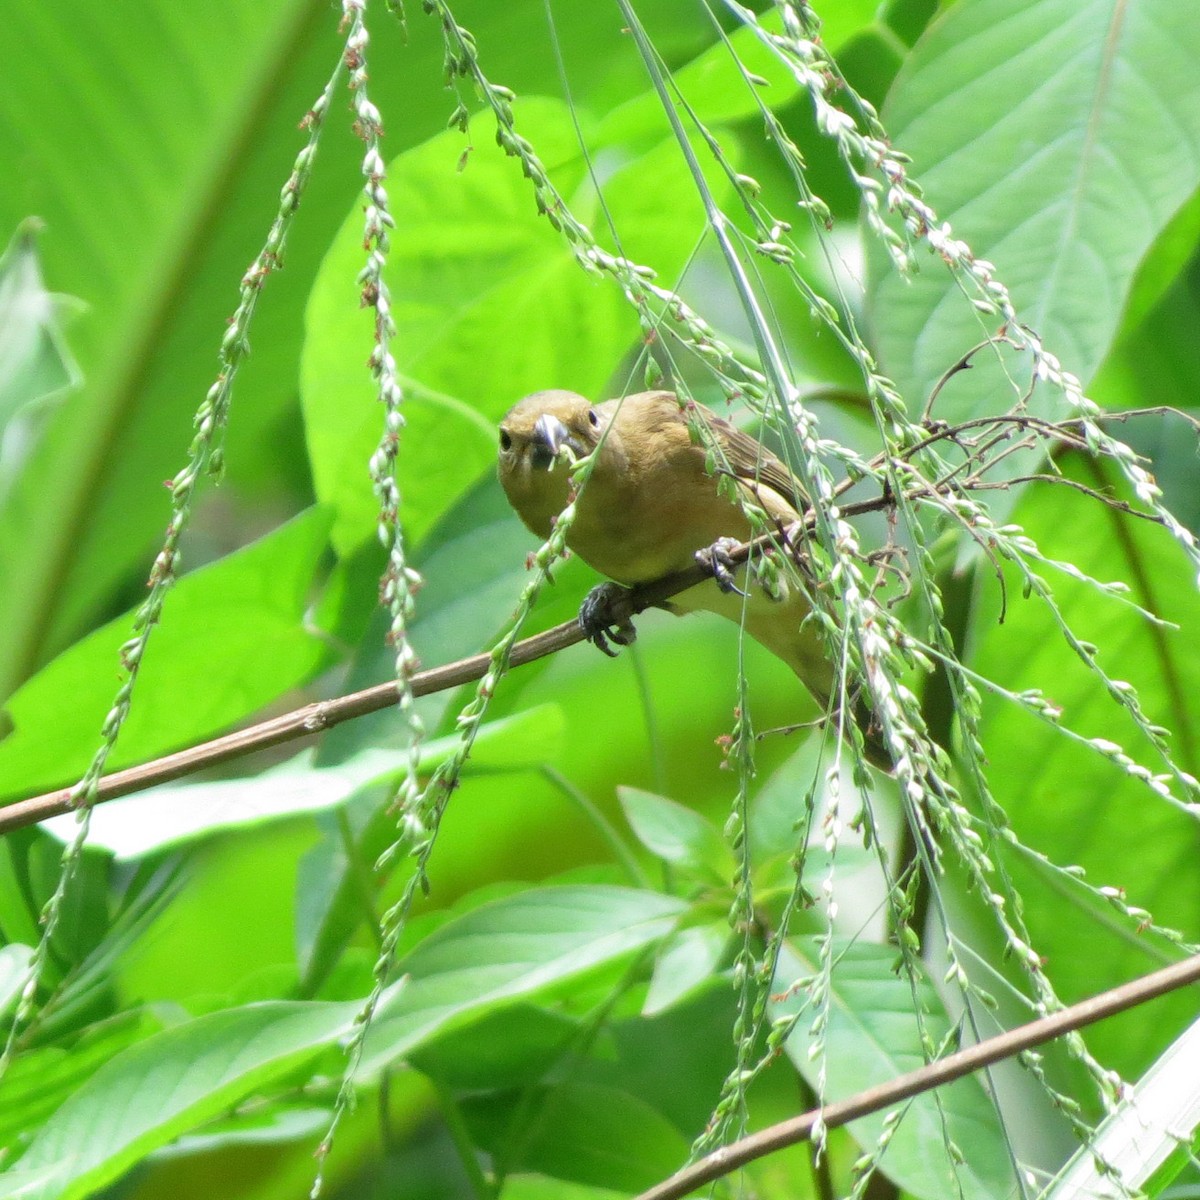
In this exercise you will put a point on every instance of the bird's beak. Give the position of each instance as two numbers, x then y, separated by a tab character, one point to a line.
550	435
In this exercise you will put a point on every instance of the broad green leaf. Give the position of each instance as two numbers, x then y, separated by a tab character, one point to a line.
264	1127
649	1056
39	1081
168	1084
177	813
872	1036
584	1133
511	1048
1058	137
232	638
675	833
1069	802
514	948
667	1068
688	960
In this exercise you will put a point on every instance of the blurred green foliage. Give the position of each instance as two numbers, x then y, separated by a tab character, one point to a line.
567	1003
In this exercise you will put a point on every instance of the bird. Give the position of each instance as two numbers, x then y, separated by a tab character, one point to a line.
651	507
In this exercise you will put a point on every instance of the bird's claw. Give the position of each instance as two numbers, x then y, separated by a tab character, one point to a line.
717	561
604	617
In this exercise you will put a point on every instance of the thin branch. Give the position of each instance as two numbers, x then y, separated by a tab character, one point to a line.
963	364
325	714
799	1129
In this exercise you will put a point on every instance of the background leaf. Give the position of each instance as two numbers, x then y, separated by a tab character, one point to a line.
1058	138
1078	807
877	1026
235	639
510	949
172	1082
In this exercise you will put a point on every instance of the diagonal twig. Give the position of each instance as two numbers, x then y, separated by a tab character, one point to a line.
799	1129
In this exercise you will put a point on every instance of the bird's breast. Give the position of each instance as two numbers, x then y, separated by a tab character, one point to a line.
635	527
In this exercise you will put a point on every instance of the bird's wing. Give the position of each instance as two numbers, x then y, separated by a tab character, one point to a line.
753	464
767	480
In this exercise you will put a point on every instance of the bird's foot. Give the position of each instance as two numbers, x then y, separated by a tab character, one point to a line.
604	617
716	560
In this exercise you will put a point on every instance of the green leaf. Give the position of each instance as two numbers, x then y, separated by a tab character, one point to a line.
39	1081
168	1084
1058	137
1070	802
14	967
676	1060
510	1048
688	960
585	1133
872	1036
676	834
517	947
232	638
265	1127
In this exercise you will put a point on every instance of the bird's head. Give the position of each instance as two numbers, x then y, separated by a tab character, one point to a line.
536	429
533	466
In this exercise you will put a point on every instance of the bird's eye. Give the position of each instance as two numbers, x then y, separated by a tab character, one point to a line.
595	420
505	440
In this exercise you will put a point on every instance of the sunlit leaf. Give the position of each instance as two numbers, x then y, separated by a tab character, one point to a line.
234	638
525	945
1058	137
878	1023
160	1088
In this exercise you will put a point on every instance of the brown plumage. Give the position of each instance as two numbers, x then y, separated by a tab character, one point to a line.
650	505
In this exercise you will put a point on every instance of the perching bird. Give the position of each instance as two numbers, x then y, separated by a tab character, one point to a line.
650	507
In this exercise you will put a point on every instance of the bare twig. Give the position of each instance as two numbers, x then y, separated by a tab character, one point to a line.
963	364
799	1129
